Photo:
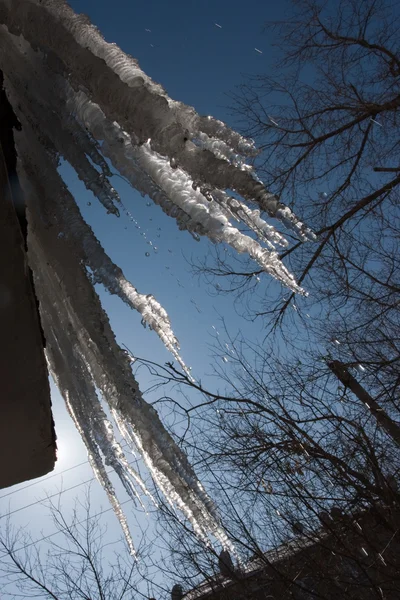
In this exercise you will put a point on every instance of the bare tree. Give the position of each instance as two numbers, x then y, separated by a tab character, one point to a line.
69	564
289	450
300	468
328	127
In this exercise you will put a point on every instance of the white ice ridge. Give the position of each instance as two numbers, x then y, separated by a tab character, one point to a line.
119	87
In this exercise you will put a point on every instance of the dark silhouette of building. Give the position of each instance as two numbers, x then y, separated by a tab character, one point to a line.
351	557
27	437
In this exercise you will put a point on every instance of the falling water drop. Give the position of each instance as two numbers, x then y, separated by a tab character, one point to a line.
225	359
148	203
89	204
147	253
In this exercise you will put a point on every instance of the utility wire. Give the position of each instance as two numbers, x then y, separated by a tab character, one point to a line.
85	462
73	487
43	480
46	537
12	512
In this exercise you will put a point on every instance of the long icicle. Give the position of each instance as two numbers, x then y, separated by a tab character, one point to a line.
109	367
139	109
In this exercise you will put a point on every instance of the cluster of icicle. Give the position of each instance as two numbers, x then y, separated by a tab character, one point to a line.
82	99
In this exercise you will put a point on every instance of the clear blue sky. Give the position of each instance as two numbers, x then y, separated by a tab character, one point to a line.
198	63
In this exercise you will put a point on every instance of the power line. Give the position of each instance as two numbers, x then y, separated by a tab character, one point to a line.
43	480
64	528
12	512
46	537
86	462
73	487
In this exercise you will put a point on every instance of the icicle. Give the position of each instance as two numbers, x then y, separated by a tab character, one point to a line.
176	184
67	371
104	271
108	365
127	68
140	107
251	218
126	157
214	128
221	150
32	101
81	98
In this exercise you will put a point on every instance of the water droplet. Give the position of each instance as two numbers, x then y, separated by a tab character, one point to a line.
155	249
170	251
147	253
225	359
158	228
89	204
158	235
336	342
148	203
173	163
360	369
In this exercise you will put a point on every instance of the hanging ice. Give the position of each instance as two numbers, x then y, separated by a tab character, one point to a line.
83	99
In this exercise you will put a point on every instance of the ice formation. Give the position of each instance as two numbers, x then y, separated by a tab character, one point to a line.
83	99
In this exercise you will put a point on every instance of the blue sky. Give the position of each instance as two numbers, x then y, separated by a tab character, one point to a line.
198	63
